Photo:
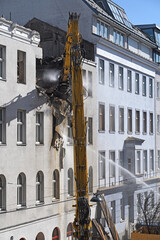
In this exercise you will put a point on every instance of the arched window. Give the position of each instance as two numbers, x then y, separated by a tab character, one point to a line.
21	190
90	181
40	187
40	236
56	184
70	232
22	239
2	193
56	234
70	182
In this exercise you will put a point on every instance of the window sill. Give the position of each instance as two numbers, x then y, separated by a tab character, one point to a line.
151	133
3	211
24	83
39	144
55	199
20	207
101	83
121	89
3	79
112	86
129	91
39	203
144	133
70	197
3	144
101	131
21	144
129	133
121	132
137	133
111	132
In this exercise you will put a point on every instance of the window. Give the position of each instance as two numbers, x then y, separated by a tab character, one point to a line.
111	164
121	119
144	122
111	75
150	88
90	130
101	117
89	84
129	120
21	127
158	89
21	57
2	193
2	126
158	156
145	168
101	157
40	236
118	38
129	81
137	84
144	86
98	27
151	123
2	62
56	234
56	192
101	71
113	211
84	82
70	130
121	78
102	29
158	123
138	161
112	119
137	121
39	127
39	187
70	232
21	190
90	180
122	209
70	182
121	155
151	155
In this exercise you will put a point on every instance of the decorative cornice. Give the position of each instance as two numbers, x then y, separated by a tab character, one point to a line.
17	32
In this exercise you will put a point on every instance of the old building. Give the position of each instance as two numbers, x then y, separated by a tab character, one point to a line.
122	105
36	171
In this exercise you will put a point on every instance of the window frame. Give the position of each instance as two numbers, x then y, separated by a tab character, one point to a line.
3	62
39	128
21	127
129	81
22	79
101	71
3	126
112	121
137	83
129	125
101	115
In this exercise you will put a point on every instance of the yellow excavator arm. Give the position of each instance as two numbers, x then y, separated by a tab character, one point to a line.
72	66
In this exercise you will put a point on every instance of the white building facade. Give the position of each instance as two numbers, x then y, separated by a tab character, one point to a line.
36	181
122	106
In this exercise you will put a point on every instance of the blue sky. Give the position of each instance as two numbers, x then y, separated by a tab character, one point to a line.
141	11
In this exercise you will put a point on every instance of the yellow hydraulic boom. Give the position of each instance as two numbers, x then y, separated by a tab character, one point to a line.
72	67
